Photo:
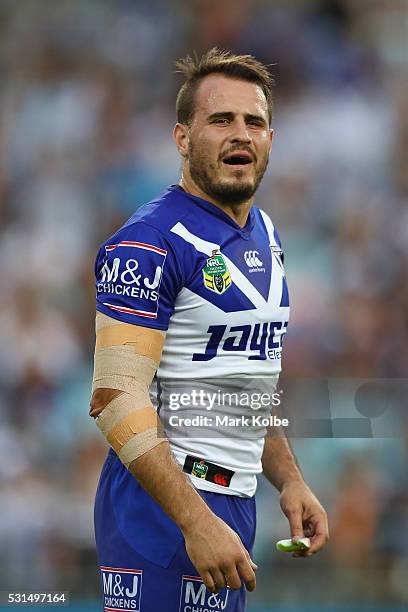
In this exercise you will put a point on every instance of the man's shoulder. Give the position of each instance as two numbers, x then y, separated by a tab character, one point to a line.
153	221
160	214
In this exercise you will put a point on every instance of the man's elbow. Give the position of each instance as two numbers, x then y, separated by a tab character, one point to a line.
100	399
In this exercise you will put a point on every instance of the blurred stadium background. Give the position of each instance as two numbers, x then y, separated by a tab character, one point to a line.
86	110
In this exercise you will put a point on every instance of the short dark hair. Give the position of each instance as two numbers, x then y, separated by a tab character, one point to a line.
194	68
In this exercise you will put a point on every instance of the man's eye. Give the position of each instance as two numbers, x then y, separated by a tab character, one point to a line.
222	121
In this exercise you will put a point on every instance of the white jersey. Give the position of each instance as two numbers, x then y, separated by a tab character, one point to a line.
182	265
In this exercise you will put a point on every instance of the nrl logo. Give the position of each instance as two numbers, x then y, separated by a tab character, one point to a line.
216	274
199	469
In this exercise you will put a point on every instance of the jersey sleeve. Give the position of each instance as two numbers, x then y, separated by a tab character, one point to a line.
138	277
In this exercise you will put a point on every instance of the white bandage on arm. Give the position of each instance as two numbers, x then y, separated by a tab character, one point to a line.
126	359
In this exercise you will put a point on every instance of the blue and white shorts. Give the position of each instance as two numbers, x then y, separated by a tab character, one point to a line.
143	561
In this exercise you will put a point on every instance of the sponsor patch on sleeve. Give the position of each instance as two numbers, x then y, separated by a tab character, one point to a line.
129	279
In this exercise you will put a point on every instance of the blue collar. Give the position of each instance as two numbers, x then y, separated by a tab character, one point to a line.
217	211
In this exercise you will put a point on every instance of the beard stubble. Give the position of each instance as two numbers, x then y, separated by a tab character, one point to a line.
204	174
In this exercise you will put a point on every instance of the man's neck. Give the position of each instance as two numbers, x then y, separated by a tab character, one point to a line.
238	213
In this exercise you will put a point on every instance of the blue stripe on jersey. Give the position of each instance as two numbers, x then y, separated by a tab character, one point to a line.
285	293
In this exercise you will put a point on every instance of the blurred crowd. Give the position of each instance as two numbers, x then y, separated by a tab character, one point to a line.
86	111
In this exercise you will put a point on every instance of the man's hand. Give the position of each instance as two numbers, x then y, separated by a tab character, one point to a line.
219	555
306	516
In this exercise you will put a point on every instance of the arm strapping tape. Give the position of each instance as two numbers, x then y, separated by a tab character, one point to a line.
126	359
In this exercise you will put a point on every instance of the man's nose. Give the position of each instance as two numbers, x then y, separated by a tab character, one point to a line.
240	133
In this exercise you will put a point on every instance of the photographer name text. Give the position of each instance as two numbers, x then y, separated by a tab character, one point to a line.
228	421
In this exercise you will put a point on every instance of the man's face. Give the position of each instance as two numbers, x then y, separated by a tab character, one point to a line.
229	139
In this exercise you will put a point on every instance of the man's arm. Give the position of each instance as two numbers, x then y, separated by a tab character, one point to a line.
125	414
305	514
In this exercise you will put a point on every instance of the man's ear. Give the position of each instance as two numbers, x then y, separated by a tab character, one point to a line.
270	139
181	138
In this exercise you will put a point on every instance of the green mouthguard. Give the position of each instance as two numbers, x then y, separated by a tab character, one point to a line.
289	546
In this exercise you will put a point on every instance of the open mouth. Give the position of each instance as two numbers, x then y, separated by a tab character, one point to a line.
237	159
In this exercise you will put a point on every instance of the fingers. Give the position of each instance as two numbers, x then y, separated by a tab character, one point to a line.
294	516
321	534
218	579
318	532
302	553
247	574
233	578
251	563
244	569
208	581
